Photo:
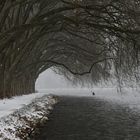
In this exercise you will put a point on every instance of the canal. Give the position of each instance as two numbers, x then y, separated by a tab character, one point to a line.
89	118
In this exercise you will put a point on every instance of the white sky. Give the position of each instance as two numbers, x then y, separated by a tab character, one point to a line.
49	79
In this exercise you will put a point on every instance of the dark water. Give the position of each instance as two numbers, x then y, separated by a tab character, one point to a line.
83	118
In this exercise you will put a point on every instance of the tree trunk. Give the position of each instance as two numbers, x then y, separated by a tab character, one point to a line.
10	86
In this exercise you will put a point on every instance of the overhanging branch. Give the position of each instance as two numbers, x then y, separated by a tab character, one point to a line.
70	70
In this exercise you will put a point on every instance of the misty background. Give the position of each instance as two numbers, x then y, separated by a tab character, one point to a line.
50	80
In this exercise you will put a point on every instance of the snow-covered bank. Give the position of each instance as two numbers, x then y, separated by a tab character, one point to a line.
128	97
21	122
8	106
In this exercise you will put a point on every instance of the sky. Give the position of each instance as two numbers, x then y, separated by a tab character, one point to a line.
49	79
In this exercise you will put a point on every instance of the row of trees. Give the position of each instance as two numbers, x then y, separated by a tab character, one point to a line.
80	36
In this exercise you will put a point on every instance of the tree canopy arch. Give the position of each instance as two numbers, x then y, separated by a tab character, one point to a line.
82	36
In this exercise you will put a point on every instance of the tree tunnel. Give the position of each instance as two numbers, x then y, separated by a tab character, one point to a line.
80	36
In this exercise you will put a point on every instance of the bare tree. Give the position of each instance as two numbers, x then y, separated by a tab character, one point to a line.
84	37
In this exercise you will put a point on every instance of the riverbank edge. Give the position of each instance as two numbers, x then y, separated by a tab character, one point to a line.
22	123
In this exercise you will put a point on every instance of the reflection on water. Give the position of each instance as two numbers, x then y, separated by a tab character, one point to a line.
84	118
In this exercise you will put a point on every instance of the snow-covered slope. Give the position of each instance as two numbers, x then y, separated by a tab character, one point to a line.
19	124
8	106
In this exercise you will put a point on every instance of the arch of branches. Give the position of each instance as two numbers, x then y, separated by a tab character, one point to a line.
81	36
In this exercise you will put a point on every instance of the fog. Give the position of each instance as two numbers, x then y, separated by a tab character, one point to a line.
50	80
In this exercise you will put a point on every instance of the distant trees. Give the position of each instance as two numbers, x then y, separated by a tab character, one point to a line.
82	36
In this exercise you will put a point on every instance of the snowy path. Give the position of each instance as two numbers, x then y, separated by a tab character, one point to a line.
8	106
90	118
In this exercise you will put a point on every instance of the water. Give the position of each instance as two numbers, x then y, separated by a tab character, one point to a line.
86	118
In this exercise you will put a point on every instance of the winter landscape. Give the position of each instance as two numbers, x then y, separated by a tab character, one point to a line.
19	116
69	70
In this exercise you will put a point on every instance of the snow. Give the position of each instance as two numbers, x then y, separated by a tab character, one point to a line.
129	96
8	106
22	114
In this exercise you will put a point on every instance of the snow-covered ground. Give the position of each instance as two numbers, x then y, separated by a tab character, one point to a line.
8	106
22	114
